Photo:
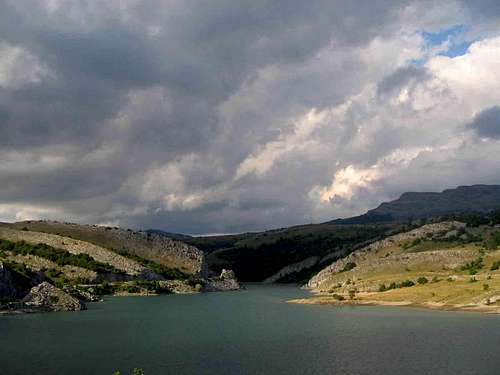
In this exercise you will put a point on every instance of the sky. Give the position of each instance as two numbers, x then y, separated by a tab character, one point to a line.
226	116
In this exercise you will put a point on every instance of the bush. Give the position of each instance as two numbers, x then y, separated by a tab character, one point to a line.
382	288
495	265
473	266
352	293
486	287
338	297
349	266
422	280
493	242
407	283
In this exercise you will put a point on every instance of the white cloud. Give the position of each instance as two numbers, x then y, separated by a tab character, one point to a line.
19	67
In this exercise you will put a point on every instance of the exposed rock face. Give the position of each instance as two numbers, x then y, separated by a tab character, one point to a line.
7	288
46	297
424	231
292	268
226	281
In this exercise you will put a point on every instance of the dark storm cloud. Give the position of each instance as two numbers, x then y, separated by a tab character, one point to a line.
487	123
131	111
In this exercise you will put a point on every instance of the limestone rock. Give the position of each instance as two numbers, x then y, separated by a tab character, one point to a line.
226	281
46	297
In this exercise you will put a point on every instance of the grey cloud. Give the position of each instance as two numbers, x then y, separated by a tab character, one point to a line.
400	78
138	88
487	123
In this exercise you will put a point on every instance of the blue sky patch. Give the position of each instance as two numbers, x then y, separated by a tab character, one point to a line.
456	35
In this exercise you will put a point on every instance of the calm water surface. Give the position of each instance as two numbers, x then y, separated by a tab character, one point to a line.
248	332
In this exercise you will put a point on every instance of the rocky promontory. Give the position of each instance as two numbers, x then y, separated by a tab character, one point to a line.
46	297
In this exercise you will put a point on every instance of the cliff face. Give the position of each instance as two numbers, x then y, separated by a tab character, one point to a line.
7	288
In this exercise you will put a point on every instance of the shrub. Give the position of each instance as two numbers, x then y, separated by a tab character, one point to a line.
474	266
382	288
486	287
407	283
349	266
422	280
338	297
493	241
352	293
495	265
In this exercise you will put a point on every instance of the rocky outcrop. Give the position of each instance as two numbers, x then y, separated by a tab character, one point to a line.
226	281
46	297
292	268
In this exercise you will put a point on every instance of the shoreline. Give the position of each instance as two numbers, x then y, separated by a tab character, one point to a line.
325	300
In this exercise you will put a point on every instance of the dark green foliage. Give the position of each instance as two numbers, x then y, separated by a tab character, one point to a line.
394	285
473	266
495	265
493	241
58	256
349	266
338	297
422	280
352	293
406	284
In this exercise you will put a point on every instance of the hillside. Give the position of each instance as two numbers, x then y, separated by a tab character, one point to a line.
258	256
442	265
61	266
294	254
154	247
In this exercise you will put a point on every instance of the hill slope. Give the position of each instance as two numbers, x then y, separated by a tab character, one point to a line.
151	246
445	265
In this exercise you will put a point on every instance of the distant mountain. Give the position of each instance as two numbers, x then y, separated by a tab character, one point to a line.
174	236
463	199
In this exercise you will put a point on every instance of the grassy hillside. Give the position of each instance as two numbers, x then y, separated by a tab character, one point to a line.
153	247
447	265
256	256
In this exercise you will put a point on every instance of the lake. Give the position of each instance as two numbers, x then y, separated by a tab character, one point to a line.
248	332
